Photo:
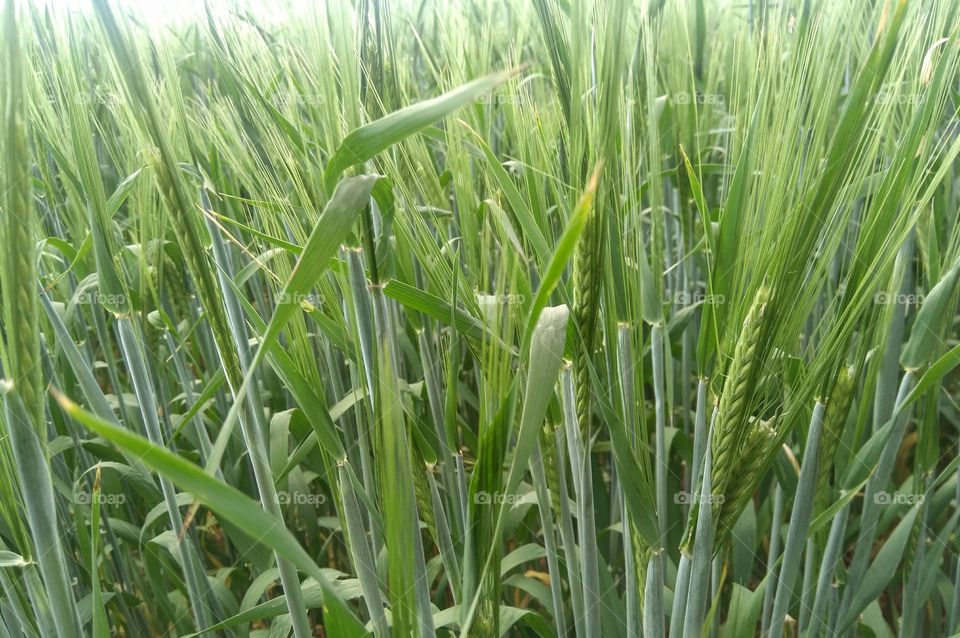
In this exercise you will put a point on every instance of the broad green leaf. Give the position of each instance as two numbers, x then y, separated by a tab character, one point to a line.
276	242
744	611
437	308
370	139
830	513
9	559
312	599
883	568
523	554
399	507
546	354
940	368
121	193
509	616
933	320
873	621
310	442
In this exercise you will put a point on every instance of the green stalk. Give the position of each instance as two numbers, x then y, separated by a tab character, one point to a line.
653	624
203	437
142	382
40	602
632	595
716	567
702	552
24	405
458	492
653	613
884	394
407	571
680	593
35	481
451	562
799	524
363	311
953	620
701	434
100	627
911	619
252	425
841	398
773	555
571	551
825	582
581	466
431	380
549	539
16	606
627	395
699	437
363	559
809	573
590	563
870	514
81	369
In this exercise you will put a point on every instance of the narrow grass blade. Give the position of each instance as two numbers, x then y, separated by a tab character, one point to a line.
228	502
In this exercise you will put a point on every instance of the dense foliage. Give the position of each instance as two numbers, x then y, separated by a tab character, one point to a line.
556	318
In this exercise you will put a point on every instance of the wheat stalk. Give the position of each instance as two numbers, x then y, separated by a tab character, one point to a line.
841	398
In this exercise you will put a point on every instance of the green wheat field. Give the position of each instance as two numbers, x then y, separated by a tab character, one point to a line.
480	318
